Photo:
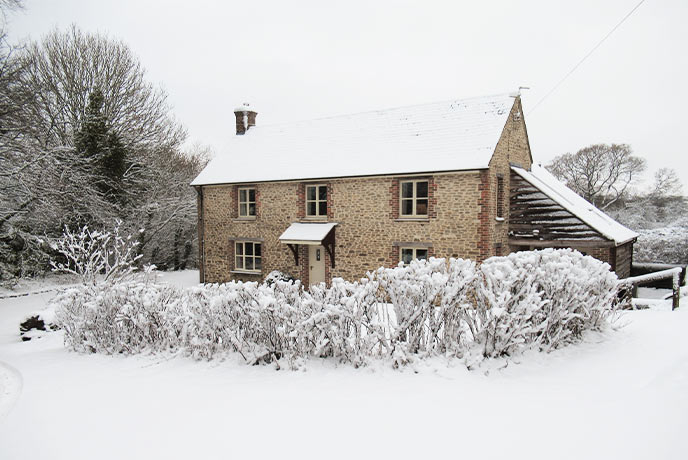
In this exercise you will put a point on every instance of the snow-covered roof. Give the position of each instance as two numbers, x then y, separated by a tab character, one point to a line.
443	136
541	179
306	232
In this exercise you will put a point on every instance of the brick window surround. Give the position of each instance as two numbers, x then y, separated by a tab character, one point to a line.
301	201
232	254
412	253
248	256
397	246
395	198
235	202
247	202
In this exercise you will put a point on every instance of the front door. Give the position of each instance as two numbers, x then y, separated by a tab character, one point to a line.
316	264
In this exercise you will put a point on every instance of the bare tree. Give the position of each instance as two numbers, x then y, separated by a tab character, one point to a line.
168	215
11	5
52	157
5	7
600	173
666	184
65	68
22	167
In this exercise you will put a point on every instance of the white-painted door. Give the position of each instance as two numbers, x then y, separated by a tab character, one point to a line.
316	264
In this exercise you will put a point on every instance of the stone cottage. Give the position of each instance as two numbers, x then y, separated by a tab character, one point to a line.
335	197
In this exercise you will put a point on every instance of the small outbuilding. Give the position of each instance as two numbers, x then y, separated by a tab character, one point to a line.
545	213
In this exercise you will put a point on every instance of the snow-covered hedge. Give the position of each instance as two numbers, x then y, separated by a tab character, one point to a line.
455	308
667	245
545	298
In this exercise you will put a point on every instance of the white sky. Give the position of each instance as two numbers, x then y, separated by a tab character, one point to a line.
297	60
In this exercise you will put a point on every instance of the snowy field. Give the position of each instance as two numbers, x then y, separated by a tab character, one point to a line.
621	395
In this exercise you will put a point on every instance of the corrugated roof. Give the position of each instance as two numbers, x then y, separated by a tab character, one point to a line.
544	181
442	136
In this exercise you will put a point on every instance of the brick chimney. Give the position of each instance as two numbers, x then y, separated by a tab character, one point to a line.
245	118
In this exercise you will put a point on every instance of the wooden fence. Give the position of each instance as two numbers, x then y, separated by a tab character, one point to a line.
633	282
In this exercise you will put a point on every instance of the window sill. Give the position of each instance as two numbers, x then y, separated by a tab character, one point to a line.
314	219
245	272
244	219
412	219
500	219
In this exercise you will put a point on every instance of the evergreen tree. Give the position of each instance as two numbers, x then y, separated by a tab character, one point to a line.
102	149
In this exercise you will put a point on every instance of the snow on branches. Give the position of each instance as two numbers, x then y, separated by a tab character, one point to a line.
96	256
544	298
454	308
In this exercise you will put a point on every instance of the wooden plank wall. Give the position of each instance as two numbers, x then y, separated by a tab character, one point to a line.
534	216
624	260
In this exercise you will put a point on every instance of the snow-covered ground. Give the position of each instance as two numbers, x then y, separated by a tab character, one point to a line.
37	285
621	395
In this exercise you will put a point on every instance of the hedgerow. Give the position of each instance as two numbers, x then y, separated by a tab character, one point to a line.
454	308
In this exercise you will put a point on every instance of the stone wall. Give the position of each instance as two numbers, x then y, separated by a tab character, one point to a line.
513	147
369	230
462	217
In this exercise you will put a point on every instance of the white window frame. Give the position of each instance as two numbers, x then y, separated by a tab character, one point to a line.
243	256
248	202
317	201
414	252
414	199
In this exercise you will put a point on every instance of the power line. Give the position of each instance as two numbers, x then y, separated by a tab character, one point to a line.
586	56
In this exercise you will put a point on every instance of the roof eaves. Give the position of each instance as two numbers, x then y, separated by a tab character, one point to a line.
363	176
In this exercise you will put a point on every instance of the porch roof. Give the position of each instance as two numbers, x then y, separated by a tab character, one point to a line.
307	232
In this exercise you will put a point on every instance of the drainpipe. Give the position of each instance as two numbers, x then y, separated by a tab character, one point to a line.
201	234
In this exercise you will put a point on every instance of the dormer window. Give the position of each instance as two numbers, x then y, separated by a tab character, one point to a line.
316	201
413	201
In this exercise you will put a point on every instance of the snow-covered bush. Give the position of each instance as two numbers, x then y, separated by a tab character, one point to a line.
277	275
541	299
347	320
544	298
428	300
98	259
508	301
125	317
96	256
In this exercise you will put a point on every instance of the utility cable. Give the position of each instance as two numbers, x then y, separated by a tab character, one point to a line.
585	57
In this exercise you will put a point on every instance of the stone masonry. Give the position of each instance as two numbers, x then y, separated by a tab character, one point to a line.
462	217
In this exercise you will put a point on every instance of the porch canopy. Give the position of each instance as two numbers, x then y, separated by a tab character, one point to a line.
310	233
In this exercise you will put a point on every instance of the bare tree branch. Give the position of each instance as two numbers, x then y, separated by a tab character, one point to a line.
600	173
